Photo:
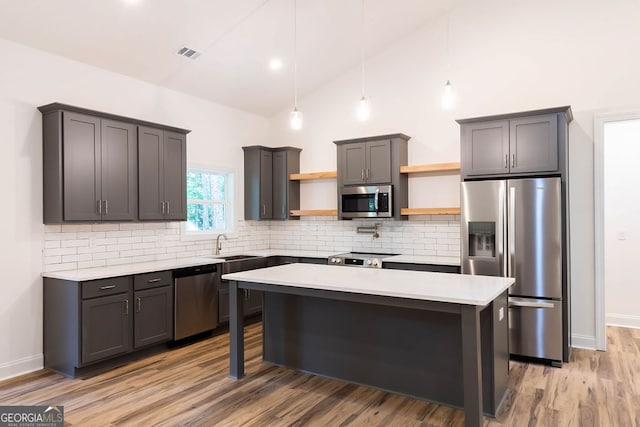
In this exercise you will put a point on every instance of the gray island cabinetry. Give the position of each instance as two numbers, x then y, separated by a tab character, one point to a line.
435	336
86	322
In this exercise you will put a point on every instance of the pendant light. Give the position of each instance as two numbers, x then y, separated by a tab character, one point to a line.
448	98
363	111
295	117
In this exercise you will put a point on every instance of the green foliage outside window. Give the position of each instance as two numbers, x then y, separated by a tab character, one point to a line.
206	201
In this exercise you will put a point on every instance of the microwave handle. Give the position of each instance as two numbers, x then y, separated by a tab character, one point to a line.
375	200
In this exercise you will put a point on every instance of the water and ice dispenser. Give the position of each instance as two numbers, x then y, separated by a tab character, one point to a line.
482	239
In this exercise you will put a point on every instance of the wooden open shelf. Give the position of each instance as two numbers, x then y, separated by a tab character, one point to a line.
314	212
430	211
312	175
431	167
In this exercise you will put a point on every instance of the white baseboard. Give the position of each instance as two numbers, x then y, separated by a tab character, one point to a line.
623	320
583	341
21	366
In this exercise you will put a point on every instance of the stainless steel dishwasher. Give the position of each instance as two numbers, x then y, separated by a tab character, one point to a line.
196	300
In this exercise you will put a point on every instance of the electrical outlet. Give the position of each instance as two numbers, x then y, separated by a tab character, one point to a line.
501	314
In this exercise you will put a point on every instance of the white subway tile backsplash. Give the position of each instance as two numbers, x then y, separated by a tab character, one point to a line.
82	246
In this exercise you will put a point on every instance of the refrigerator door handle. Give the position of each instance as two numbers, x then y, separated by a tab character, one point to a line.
511	227
531	304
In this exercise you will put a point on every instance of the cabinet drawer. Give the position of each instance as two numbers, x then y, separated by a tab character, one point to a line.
102	287
152	280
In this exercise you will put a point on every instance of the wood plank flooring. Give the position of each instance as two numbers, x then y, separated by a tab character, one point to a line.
189	386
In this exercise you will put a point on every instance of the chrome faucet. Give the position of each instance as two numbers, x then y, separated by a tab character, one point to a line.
218	244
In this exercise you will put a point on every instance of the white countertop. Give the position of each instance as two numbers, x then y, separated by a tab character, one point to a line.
83	274
442	287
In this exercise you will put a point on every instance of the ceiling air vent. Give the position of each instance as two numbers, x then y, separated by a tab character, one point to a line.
188	53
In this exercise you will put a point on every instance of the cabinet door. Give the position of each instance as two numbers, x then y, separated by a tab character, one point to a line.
81	165
174	164
353	163
119	157
533	143
378	170
485	148
266	184
153	322
151	182
106	327
280	185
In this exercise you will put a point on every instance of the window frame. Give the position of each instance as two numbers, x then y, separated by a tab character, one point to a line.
228	203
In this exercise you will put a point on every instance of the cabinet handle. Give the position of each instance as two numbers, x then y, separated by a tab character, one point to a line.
104	288
264	209
506	161
106	207
153	280
168	208
139	301
362	174
99	207
162	207
126	306
368	171
513	160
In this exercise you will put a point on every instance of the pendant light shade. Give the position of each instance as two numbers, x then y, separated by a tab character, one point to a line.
448	99
295	117
363	112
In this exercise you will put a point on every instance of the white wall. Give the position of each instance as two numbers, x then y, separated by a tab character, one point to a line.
29	78
621	222
505	56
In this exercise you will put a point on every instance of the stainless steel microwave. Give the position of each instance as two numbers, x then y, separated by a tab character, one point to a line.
374	201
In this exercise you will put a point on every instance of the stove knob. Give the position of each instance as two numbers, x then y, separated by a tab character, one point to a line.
375	263
368	262
332	260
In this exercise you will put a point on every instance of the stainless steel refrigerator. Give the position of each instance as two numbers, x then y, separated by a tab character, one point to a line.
514	228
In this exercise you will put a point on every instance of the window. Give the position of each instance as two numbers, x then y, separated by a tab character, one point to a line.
209	201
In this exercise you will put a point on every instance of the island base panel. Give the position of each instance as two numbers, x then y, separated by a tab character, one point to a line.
409	351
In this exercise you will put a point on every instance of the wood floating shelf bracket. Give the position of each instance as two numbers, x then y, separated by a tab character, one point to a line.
430	211
312	175
431	168
314	212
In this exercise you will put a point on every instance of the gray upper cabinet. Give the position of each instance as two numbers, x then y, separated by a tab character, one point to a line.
521	143
375	160
268	192
91	168
162	172
366	162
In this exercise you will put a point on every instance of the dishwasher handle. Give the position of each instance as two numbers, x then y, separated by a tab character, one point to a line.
194	271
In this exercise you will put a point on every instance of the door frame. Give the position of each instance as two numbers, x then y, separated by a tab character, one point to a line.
599	122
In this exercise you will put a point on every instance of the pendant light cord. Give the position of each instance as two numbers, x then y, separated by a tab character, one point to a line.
362	43
295	55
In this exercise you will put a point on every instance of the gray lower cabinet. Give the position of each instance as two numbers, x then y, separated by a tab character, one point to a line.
268	192
162	171
90	168
519	143
86	323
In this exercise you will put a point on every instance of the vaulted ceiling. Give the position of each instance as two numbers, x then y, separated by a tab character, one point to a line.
235	38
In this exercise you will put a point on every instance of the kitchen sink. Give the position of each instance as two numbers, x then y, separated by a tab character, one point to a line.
237	257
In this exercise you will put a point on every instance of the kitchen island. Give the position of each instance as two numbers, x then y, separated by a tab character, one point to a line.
435	336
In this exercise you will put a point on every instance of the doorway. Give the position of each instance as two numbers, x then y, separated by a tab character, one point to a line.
617	231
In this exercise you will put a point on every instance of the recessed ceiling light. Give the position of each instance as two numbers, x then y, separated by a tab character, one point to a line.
275	64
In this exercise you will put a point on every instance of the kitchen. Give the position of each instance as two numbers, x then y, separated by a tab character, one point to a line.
586	82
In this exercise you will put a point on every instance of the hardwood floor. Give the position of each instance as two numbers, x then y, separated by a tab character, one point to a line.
189	386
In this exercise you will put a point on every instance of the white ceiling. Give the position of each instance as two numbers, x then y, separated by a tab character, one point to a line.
236	37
